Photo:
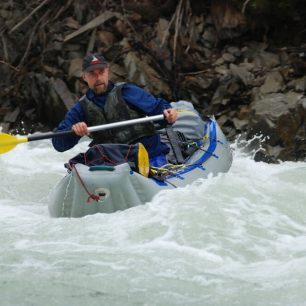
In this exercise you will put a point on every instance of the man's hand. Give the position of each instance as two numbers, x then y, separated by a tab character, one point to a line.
80	129
170	115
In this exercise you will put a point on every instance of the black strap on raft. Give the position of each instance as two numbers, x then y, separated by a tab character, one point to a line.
175	144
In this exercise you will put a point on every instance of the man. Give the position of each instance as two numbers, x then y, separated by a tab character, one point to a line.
106	102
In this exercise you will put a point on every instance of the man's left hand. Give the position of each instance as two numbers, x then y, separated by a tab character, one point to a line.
170	115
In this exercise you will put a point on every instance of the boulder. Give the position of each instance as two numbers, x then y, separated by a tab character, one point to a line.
278	118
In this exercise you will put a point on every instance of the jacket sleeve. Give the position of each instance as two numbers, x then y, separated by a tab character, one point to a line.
144	101
74	115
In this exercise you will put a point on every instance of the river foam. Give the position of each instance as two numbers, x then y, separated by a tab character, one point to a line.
235	239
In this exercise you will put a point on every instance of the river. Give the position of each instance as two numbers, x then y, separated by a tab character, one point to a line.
235	239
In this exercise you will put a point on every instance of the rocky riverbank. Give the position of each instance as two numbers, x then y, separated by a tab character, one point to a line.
207	57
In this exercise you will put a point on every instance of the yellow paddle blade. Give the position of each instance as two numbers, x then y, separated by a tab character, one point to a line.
9	142
143	161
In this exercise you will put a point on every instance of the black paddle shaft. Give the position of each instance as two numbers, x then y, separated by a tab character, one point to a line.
49	135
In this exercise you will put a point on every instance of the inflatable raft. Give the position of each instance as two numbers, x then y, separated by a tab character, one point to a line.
90	189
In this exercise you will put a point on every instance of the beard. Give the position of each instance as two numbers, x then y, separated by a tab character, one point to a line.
99	88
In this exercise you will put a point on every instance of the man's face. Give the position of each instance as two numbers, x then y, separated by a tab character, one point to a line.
97	79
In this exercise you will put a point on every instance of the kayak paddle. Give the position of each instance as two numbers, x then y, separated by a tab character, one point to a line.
8	142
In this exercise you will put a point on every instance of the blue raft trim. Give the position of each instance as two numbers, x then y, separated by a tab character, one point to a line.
208	153
160	183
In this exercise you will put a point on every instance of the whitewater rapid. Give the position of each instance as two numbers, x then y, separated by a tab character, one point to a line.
235	239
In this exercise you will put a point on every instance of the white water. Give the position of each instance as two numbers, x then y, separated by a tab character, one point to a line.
236	239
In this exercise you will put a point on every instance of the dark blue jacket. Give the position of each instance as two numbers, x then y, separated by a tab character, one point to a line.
134	96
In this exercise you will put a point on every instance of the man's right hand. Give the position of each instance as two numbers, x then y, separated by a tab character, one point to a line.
80	129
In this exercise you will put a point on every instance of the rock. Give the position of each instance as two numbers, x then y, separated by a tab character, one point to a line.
162	30
228	21
75	68
63	92
161	52
273	83
244	113
71	23
117	73
4	110
11	116
278	116
141	73
235	51
210	37
299	67
250	86
299	85
228	57
120	26
5	14
242	74
266	60
222	70
222	120
219	62
240	124
106	38
4	127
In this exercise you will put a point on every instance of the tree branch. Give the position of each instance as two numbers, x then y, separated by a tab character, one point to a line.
7	64
244	6
26	18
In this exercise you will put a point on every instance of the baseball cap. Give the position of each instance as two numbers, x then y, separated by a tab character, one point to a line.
93	61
